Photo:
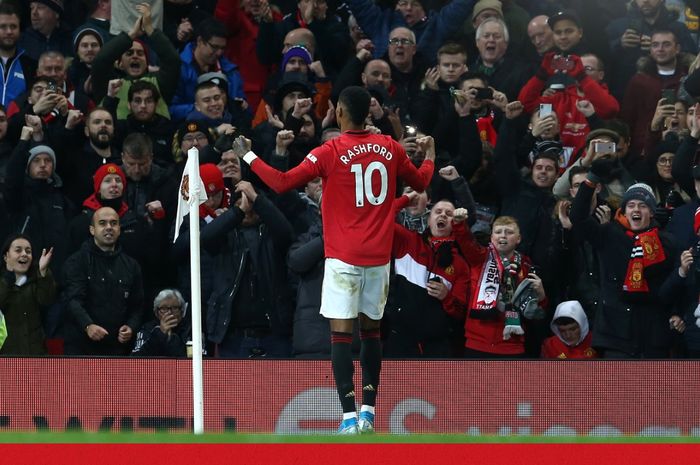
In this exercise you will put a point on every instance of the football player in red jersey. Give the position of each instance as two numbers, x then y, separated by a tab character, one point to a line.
359	171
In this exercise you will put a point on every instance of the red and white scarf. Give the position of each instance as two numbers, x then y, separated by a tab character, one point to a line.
647	250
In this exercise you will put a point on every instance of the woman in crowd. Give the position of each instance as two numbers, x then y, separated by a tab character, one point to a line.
26	287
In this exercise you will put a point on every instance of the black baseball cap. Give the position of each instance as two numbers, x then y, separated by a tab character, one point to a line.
571	15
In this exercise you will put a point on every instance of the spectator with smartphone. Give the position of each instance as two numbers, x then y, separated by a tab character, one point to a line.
433	109
579	96
528	198
504	71
600	147
582	272
630	38
662	70
670	121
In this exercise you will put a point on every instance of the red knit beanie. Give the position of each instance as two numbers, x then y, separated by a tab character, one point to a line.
104	170
212	177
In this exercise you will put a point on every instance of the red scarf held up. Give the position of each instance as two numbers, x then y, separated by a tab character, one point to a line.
646	251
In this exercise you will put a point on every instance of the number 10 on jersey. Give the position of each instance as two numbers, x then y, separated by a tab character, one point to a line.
363	183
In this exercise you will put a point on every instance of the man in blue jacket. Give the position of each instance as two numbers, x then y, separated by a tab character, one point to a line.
204	55
431	28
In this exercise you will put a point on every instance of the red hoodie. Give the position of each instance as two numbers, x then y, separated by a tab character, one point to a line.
573	125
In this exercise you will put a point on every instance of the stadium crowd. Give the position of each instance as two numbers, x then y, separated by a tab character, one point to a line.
561	222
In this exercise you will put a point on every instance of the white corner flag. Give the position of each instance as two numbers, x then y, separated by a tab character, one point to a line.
192	195
190	192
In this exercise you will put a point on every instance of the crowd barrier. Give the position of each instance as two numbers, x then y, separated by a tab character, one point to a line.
597	398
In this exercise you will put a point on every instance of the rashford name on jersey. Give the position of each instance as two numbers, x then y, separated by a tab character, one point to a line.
359	149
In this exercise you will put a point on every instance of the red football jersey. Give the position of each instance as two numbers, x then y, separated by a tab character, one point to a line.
359	172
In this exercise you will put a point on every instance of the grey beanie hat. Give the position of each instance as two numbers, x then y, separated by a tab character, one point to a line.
39	149
640	191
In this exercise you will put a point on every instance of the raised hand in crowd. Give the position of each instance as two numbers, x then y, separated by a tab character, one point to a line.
364	50
273	119
44	261
301	107
46	102
630	39
113	87
316	67
283	140
225	128
306	10
26	133
74	118
603	214
544	126
329	119
514	110
247	190
686	262
265	15
460	215
395	121
34	122
376	111
592	154
144	9
585	107
464	100
431	78
499	100
184	30
562	209
663	110
694	122
448	173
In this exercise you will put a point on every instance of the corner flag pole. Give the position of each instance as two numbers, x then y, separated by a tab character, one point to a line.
196	288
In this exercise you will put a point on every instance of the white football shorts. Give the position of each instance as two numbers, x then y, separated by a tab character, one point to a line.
349	290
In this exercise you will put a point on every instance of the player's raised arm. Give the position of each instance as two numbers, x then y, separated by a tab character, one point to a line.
277	180
427	145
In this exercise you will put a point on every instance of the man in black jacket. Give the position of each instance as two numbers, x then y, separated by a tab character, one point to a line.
34	196
103	292
250	310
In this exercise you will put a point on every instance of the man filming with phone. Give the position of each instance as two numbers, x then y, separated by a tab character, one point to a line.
601	150
570	84
661	71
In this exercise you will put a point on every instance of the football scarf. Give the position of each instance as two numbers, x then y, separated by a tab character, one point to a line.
646	250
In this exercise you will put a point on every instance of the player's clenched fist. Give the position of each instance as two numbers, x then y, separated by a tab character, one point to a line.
241	146
427	145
